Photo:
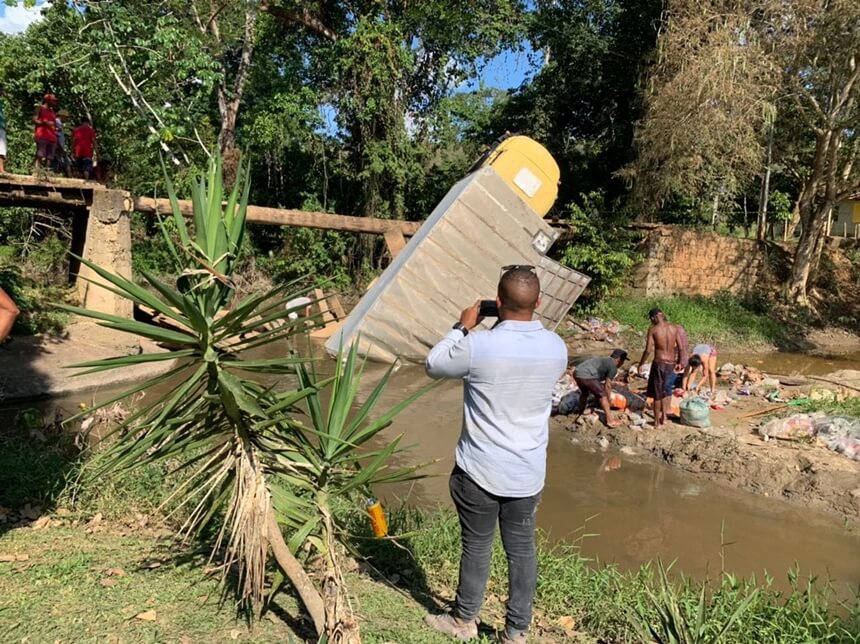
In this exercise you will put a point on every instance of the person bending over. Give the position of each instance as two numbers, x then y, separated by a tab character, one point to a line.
594	378
704	361
508	376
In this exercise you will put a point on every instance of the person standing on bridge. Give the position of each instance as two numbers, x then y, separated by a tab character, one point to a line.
508	376
83	147
46	131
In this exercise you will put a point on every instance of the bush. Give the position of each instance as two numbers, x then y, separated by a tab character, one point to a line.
600	249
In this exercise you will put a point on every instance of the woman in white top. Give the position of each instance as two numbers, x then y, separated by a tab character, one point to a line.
703	359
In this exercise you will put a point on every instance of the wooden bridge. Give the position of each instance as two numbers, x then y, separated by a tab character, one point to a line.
101	231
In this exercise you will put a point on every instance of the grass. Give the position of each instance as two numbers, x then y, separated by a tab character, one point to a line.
725	321
65	586
847	407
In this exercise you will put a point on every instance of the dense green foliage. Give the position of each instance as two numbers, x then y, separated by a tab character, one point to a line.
376	107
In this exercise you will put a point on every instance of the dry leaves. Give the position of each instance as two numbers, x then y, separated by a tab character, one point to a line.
147	616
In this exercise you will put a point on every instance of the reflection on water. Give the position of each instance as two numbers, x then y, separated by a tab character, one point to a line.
639	512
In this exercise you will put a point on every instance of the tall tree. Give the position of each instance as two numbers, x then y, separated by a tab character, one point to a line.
818	42
711	98
585	99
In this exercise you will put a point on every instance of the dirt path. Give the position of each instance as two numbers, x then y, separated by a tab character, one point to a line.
731	453
37	366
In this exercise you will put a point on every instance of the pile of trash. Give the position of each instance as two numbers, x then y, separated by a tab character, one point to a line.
597	329
838	433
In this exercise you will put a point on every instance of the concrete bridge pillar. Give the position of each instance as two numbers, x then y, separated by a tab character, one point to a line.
106	243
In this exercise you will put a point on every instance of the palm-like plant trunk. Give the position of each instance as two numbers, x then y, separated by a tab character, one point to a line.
296	574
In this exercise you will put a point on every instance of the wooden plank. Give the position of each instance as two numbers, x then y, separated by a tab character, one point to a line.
394	241
337	307
288	217
322	303
762	412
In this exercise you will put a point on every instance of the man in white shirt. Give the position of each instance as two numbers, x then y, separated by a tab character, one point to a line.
508	376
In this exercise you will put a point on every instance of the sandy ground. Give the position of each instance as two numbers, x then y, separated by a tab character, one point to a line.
37	367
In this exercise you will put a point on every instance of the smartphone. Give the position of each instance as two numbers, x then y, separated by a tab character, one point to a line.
489	309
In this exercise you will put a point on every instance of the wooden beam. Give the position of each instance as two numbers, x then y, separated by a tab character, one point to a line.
394	241
287	217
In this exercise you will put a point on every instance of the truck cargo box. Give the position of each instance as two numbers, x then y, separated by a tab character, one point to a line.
483	223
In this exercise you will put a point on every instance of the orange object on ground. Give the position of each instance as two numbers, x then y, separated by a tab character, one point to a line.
617	401
377	518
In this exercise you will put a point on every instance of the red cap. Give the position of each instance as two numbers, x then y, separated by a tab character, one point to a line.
50	98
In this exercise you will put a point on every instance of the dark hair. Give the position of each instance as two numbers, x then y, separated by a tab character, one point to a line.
519	289
695	361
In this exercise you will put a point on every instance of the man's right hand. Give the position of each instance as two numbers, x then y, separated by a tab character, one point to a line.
470	317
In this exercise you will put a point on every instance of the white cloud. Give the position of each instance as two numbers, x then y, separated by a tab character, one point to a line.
14	20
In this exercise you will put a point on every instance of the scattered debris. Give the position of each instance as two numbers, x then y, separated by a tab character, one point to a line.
838	433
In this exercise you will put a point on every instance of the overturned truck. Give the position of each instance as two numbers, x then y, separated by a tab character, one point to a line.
491	218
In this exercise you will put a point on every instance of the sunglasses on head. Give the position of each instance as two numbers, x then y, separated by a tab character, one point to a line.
517	267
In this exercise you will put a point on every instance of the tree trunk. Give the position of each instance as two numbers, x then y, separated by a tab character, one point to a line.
715	209
824	163
294	571
230	99
761	225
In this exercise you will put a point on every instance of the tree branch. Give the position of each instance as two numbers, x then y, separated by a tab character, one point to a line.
301	17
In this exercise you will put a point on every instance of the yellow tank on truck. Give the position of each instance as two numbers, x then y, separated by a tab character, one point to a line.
529	169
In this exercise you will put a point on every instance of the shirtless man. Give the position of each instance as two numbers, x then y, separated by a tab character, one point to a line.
668	351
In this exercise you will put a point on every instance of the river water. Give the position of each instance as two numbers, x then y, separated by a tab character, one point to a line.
635	513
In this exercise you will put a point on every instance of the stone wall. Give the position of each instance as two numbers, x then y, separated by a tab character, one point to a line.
681	261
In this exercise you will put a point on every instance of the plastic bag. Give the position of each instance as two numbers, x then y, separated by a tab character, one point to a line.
568	403
617	401
797	427
841	434
695	412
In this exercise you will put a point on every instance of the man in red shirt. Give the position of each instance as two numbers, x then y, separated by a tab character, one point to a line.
46	131
83	145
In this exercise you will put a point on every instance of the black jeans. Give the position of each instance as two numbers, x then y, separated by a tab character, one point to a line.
479	511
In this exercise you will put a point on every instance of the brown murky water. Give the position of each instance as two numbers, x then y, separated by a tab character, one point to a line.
787	364
635	513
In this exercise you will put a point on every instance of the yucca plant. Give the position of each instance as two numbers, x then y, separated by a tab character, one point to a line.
676	624
251	459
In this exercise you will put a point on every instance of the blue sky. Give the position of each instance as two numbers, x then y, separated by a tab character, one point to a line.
14	20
